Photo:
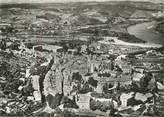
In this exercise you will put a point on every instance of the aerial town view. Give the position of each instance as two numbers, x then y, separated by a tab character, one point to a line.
81	58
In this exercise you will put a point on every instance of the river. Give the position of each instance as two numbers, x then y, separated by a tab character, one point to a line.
145	32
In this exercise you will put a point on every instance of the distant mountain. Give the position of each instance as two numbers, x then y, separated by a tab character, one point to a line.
81	13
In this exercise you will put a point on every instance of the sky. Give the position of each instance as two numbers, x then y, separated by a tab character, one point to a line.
53	1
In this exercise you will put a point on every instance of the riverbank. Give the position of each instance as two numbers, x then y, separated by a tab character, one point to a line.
120	42
160	27
145	32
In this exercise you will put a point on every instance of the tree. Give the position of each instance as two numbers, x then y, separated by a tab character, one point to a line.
102	106
93	105
92	82
15	46
29	45
54	101
68	103
3	44
68	114
77	76
85	89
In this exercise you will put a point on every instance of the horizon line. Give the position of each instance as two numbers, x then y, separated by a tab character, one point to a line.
72	1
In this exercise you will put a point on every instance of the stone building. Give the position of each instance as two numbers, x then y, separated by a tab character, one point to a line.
83	101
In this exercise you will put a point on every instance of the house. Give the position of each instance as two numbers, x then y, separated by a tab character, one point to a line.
110	39
37	96
52	48
67	88
35	82
105	81
98	52
60	50
122	62
27	73
138	70
72	51
102	66
38	48
126	69
106	65
124	99
99	88
84	48
83	101
93	65
106	101
113	74
137	77
125	80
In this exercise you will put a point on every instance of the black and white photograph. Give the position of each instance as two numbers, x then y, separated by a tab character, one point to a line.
81	58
